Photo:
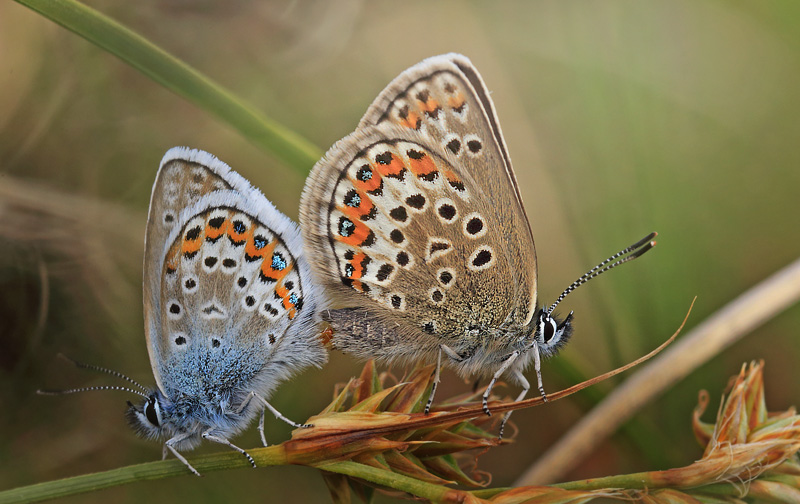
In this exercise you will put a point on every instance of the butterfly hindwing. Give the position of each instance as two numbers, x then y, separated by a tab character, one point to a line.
224	285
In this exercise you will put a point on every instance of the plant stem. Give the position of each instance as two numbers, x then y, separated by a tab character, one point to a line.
270	456
430	491
177	76
732	322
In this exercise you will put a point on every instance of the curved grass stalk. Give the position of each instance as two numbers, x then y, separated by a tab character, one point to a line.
175	75
370	432
372	435
751	309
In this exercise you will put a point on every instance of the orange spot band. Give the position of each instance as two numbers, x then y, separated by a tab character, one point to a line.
214	233
430	105
456	102
357	263
422	166
393	168
192	246
364	207
368	185
412	120
263	252
359	235
268	271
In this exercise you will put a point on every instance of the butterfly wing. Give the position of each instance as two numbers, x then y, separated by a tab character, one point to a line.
445	99
418	212
229	301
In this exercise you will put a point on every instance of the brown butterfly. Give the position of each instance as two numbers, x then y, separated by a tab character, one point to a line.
415	226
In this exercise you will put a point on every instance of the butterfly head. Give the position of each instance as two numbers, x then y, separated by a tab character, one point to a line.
149	419
551	333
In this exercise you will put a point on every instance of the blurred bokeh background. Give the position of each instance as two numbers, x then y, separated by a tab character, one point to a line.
621	117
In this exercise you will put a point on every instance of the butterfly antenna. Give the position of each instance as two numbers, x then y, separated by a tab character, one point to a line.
88	389
635	250
101	369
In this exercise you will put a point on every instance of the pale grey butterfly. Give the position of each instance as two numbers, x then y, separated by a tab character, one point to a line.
418	233
230	306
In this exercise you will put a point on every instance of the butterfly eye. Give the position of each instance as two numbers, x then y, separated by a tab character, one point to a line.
549	330
150	411
547	327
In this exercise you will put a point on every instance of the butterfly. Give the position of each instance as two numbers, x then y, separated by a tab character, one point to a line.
418	233
230	307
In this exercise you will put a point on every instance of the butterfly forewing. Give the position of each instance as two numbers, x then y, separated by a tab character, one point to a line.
445	100
394	213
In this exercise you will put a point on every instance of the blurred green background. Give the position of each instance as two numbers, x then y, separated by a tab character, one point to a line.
621	117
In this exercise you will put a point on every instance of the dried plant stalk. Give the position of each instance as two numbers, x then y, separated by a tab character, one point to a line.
374	436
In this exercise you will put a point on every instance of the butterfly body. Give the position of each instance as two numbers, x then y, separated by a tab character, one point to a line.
230	305
476	352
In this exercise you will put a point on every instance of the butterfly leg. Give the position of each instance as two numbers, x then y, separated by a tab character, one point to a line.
453	355
170	445
221	440
505	365
435	382
537	365
244	405
261	428
279	415
525	388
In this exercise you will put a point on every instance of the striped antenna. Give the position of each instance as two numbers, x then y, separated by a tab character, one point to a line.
635	250
100	369
88	389
141	392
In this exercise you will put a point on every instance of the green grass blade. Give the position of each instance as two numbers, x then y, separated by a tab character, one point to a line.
171	468
170	72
